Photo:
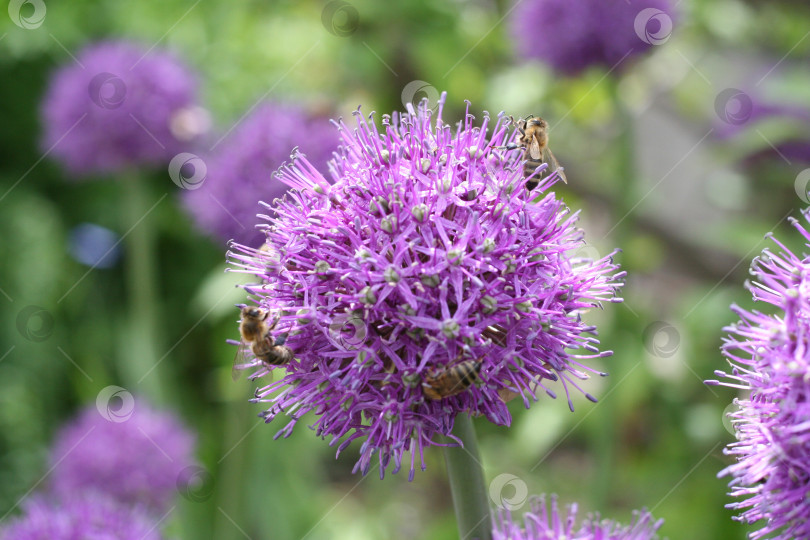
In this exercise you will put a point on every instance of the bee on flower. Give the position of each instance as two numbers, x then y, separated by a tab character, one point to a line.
420	250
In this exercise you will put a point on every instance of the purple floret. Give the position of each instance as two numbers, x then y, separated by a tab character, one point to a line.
542	523
423	250
770	361
134	459
113	108
573	35
81	517
239	169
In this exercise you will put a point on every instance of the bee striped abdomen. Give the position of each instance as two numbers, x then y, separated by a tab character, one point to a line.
451	381
274	355
528	170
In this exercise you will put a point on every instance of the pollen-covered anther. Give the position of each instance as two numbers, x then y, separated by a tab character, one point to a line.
419	211
389	224
489	304
450	328
367	295
391	276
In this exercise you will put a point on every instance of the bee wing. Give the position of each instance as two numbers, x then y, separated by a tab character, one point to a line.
241	359
553	165
534	149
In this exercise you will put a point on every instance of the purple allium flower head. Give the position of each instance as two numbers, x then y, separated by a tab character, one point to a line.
769	358
425	250
754	113
239	169
81	516
113	108
134	456
573	35
542	523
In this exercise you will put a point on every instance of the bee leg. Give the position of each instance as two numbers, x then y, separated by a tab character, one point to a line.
274	323
510	146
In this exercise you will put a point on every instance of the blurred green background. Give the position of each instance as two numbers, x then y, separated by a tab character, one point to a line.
689	209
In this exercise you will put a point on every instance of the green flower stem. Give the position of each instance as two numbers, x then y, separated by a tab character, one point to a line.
466	476
625	163
138	364
625	179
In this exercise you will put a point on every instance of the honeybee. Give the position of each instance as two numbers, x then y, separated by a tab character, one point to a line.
449	381
256	338
534	140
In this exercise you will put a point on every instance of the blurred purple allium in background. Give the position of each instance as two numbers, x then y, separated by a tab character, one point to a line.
770	360
80	517
134	454
115	107
542	523
766	122
573	35
424	250
240	169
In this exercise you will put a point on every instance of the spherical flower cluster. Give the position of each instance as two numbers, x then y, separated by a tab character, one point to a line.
135	457
422	281
769	358
80	517
540	523
573	35
114	108
741	120
239	169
